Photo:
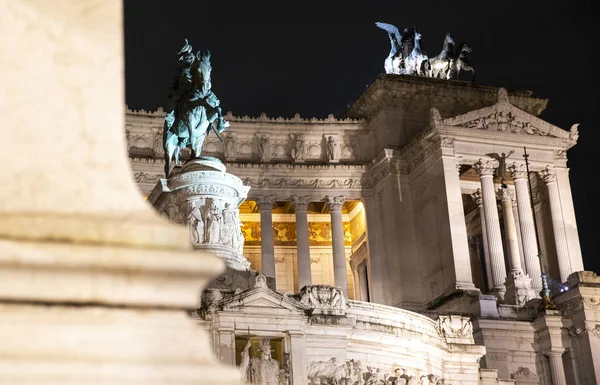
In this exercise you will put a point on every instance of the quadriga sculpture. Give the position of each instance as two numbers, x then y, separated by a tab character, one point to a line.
407	57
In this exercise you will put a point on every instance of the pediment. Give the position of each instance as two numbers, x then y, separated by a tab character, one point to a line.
505	117
262	298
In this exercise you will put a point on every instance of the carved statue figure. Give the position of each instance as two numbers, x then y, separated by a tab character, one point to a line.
196	224
264	370
441	63
238	240
263	147
213	224
245	363
392	62
228	229
194	108
229	150
297	148
574	132
460	63
285	372
330	148
501	169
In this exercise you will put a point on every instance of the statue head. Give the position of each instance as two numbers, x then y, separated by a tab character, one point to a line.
265	349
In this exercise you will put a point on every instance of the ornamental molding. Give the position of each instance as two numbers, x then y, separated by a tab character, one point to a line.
303	183
506	118
144	177
296	119
571	306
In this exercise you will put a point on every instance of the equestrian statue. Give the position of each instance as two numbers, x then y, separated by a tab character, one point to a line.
194	109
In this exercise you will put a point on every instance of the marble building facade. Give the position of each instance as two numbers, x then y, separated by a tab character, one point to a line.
400	205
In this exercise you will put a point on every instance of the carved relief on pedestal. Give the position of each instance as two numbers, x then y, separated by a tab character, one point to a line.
456	329
206	199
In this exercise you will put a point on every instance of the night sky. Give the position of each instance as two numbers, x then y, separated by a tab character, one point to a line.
316	58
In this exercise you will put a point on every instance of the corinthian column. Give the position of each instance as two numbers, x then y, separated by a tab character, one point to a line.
518	227
560	238
303	247
265	205
557	369
505	196
518	285
485	169
520	177
478	199
340	273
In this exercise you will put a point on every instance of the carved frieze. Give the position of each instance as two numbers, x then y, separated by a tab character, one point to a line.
144	177
304	183
356	372
504	121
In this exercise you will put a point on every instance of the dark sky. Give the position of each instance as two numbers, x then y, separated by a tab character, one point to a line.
315	58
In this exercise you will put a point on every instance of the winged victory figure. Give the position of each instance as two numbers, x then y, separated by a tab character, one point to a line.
501	169
392	63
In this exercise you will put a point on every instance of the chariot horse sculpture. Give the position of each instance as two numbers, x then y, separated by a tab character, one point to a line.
440	64
195	109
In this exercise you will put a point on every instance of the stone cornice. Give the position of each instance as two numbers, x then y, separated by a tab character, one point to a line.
404	87
263	118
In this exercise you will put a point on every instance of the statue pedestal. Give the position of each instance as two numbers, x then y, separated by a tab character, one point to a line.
206	198
518	289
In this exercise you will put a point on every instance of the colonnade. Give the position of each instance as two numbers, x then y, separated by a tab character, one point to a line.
300	204
519	228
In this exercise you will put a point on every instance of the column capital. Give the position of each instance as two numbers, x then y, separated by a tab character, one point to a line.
518	171
301	203
505	194
265	202
485	167
548	174
334	203
477	197
554	352
459	163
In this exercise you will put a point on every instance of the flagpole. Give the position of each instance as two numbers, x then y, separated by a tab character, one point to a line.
547	303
